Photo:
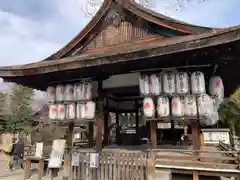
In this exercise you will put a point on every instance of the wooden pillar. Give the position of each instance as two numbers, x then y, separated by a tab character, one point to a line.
137	122
90	134
195	175
173	139
41	169
100	109
117	129
106	130
185	130
150	166
196	136
185	136
153	125
27	169
70	135
67	155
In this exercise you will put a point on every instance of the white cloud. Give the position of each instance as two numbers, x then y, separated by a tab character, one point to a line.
20	40
25	40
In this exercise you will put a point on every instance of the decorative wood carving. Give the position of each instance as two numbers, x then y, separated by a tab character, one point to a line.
120	31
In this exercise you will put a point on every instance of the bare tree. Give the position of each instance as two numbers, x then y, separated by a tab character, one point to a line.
90	7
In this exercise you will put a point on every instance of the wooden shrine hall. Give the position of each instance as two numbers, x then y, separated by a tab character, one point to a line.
122	40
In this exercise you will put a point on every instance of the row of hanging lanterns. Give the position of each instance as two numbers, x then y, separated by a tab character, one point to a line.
72	111
184	106
171	83
70	92
181	103
71	101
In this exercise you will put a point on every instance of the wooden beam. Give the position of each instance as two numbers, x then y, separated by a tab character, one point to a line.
153	125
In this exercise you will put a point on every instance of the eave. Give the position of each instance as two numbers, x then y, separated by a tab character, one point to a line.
144	49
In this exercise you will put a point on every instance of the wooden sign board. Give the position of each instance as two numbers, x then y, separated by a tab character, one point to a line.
39	150
94	160
57	153
75	159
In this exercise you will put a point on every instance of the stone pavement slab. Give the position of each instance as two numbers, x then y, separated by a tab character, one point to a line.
13	177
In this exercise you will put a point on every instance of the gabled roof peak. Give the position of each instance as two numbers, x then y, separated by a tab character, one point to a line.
136	9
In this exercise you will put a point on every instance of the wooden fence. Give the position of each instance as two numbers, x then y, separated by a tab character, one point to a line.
142	165
114	165
125	164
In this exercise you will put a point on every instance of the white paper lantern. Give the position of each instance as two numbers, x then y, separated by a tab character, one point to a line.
144	84
90	108
78	91
71	111
60	93
216	87
148	107
61	112
80	106
53	111
198	83
155	84
177	106
69	92
87	90
51	94
169	83
214	116
205	107
182	83
163	108
190	105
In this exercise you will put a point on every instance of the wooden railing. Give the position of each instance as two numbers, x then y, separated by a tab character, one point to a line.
114	165
226	148
198	160
142	165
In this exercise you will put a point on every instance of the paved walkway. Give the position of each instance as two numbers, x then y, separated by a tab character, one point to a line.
11	175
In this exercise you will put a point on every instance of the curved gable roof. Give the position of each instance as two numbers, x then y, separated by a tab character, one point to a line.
138	10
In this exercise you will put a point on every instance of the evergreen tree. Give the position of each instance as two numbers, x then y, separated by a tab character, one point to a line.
229	112
2	107
19	109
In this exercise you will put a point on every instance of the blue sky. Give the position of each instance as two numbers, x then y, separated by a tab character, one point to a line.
33	29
